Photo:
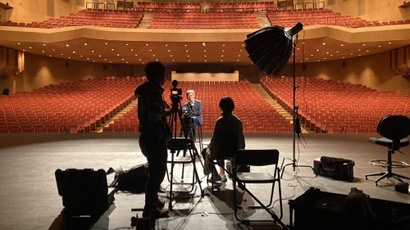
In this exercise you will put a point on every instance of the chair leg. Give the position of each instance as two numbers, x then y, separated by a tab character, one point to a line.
389	173
398	176
386	175
276	218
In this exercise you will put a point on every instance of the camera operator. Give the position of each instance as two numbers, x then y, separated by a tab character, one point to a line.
193	110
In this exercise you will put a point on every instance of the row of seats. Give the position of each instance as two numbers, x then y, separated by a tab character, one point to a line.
317	17
256	113
196	7
115	19
336	107
79	106
83	106
193	20
202	20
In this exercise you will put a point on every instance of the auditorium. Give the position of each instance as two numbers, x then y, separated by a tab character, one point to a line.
322	88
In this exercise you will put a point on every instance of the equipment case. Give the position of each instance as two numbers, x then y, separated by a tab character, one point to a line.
84	191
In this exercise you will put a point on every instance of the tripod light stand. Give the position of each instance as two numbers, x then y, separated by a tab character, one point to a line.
269	49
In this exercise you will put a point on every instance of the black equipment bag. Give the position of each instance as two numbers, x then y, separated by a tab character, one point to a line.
336	168
132	180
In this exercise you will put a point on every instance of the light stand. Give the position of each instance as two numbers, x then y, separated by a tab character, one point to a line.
269	49
296	124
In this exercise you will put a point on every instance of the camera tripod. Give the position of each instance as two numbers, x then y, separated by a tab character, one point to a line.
185	144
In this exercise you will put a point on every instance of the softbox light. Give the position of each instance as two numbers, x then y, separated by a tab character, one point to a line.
270	48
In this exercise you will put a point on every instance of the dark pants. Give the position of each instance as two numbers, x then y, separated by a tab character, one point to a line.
154	147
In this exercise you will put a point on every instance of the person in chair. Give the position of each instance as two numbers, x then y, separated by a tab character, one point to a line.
193	109
227	138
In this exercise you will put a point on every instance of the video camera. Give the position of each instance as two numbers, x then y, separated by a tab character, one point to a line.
175	95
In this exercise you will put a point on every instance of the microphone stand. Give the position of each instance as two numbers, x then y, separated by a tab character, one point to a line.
296	123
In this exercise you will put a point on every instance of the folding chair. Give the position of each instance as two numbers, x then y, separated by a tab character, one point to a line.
256	158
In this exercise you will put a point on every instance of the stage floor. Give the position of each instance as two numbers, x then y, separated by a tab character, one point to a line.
30	198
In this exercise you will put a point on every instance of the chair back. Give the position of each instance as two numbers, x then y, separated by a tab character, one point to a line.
257	157
394	127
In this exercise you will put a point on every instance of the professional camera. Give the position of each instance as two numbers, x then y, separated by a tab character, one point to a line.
176	94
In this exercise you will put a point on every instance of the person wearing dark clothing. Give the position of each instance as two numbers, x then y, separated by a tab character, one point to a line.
154	133
227	138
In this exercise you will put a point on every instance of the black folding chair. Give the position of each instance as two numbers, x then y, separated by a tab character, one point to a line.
257	158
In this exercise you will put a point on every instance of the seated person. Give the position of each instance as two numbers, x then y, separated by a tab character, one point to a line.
193	109
227	138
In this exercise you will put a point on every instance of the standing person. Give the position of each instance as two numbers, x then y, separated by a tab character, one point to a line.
154	132
193	110
227	138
